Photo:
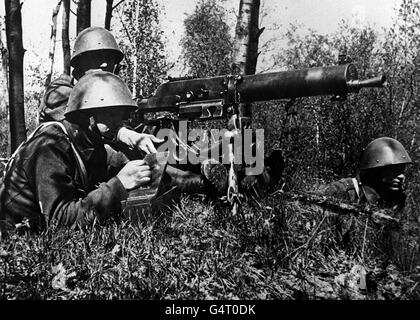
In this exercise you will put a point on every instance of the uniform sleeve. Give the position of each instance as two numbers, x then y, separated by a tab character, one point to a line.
336	189
115	160
61	200
55	99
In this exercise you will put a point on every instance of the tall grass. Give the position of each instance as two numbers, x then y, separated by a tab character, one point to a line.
273	249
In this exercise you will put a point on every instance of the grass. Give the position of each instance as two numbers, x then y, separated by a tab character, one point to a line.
273	249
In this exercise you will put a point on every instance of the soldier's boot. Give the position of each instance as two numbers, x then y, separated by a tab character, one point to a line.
211	181
258	185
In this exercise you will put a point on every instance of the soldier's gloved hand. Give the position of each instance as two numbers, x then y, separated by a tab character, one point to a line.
141	141
135	174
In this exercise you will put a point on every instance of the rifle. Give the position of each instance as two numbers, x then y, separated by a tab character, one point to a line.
219	97
335	207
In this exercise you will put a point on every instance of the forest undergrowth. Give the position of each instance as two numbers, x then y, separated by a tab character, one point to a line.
276	247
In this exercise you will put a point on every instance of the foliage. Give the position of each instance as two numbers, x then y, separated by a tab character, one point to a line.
35	74
207	43
324	136
400	60
141	39
273	250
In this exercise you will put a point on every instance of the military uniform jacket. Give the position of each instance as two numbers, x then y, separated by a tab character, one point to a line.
43	185
353	191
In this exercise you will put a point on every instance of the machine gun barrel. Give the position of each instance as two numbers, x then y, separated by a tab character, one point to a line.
356	85
331	80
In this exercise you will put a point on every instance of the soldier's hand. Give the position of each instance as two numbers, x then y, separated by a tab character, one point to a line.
135	174
146	142
141	141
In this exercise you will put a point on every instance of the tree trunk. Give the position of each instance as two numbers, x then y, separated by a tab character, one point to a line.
135	63
53	37
4	85
4	82
16	52
65	39
245	52
83	15
108	14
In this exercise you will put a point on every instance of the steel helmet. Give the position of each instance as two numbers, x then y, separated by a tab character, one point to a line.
383	152
97	90
92	39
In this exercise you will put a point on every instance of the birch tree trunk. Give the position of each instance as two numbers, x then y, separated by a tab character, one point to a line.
83	15
53	37
65	39
16	53
4	82
135	60
245	51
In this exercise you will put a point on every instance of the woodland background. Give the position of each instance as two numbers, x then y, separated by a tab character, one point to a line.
277	248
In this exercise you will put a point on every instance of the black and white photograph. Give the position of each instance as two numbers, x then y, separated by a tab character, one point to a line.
210	155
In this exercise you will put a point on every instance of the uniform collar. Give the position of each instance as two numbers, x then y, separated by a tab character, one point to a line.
370	194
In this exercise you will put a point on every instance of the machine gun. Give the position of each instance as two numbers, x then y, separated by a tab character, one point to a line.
219	97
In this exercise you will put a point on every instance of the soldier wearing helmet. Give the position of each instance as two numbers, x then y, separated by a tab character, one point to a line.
95	48
382	168
380	182
61	176
381	177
